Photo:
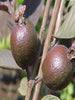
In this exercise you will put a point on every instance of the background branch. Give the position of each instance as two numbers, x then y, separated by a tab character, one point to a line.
60	14
59	20
42	30
46	45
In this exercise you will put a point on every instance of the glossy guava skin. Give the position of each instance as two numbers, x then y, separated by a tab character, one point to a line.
24	44
57	68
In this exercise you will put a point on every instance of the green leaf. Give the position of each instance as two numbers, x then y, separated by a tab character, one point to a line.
69	97
50	97
23	86
70	88
67	29
34	9
4	29
7	61
63	95
73	99
5	42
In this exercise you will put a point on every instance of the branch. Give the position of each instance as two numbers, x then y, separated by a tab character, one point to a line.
63	17
59	20
32	81
46	45
37	61
60	14
29	89
42	31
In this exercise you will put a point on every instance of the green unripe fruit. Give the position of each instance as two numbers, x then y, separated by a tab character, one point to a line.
57	68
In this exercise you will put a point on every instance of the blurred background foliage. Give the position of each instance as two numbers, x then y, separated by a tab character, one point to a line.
69	92
5	42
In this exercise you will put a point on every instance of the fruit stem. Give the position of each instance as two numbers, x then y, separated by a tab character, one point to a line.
29	71
38	80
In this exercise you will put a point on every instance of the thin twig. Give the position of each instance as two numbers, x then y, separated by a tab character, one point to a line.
46	45
59	20
42	31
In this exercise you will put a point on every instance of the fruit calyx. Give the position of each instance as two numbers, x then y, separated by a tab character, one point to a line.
71	51
19	14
